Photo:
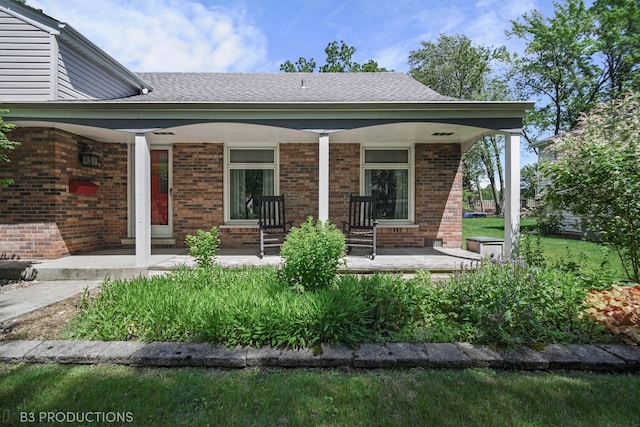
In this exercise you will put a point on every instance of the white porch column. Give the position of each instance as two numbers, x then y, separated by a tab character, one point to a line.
143	200
512	195
323	178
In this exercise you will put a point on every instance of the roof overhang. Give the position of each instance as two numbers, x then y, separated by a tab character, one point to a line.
438	122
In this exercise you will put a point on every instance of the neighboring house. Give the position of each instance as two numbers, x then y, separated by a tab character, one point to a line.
111	158
568	223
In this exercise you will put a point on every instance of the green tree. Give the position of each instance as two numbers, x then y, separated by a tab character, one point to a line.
574	59
529	181
6	145
618	40
454	66
597	176
339	60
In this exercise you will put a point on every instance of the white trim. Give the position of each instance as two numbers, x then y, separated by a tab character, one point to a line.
142	205
409	166
323	177
512	195
228	166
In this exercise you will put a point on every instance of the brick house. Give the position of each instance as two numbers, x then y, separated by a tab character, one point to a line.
111	158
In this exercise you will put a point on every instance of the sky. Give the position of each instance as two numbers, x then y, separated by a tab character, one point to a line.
259	35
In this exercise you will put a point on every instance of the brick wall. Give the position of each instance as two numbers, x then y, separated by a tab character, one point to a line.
439	193
299	180
344	179
198	172
39	218
113	194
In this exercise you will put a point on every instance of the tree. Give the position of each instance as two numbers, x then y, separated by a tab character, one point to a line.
597	176
574	59
618	39
339	60
529	181
453	66
5	145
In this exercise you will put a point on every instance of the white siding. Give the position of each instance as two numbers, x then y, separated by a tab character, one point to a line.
25	61
80	78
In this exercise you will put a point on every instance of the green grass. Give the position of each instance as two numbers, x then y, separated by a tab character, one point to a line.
588	256
201	397
249	306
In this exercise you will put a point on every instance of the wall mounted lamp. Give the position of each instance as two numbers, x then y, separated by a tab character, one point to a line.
90	157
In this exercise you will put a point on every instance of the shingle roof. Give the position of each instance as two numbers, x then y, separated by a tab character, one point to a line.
285	87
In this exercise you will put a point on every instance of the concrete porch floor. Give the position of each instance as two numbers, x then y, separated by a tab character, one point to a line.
121	263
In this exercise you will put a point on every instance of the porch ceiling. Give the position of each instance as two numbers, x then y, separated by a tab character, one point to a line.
391	133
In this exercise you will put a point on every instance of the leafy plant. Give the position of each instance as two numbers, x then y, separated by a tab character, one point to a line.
204	246
312	254
597	176
5	145
510	304
532	252
618	309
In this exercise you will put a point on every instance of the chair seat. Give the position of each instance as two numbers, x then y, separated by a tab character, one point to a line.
273	226
360	230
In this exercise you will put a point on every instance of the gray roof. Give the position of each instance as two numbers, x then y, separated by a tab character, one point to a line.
285	88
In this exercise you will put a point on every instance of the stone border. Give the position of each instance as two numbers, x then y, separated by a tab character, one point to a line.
591	357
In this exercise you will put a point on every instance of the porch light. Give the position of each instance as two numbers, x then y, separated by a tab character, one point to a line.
90	157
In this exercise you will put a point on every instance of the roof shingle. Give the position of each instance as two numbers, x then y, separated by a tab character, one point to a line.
285	88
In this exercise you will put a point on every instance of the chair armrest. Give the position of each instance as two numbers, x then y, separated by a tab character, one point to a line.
345	226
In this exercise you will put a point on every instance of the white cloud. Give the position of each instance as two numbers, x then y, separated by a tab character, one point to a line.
165	35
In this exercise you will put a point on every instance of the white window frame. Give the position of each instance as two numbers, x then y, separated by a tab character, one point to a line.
409	166
228	166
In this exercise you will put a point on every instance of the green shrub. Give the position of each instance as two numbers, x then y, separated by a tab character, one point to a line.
511	304
204	246
251	306
504	305
312	254
532	252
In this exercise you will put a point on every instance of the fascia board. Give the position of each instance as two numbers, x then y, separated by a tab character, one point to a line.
70	35
32	17
202	110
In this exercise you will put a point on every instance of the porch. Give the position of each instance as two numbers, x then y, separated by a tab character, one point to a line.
121	263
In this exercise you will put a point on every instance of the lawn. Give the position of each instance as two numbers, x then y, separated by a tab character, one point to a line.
587	256
309	397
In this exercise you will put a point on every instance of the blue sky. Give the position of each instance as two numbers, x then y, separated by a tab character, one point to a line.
258	35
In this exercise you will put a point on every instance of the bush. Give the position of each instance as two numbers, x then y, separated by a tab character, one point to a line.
511	304
204	246
312	254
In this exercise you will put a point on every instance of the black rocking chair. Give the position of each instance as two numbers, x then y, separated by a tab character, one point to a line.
273	226
360	231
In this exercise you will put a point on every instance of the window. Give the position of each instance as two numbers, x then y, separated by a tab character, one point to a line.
251	172
387	175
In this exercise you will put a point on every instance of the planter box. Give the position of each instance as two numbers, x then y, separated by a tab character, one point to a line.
488	247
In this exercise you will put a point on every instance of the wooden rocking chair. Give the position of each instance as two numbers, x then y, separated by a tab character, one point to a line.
273	226
360	230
